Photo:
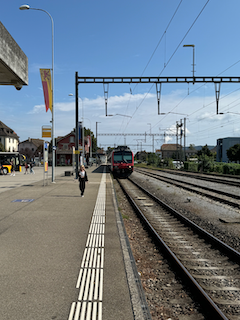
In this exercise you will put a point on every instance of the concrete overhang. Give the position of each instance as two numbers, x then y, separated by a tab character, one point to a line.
13	61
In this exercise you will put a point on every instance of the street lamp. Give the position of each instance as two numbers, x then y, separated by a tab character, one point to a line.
90	137
193	46
96	135
27	7
77	130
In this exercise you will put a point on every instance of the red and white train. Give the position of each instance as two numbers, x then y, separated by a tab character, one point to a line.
121	161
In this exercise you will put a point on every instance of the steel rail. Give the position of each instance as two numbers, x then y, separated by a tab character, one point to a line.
200	177
179	184
234	254
211	306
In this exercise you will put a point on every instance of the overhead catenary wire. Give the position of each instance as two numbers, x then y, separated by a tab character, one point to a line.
165	65
154	51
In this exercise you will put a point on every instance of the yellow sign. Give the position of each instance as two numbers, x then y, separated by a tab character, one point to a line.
46	132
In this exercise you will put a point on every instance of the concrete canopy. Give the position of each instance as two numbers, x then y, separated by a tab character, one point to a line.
13	61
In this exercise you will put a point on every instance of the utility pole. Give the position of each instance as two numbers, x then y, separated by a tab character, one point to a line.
176	139
185	139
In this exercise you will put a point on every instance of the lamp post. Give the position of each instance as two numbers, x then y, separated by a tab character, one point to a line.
27	7
90	137
193	46
77	127
152	136
96	134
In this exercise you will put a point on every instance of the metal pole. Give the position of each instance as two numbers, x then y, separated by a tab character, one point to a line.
83	144
176	139
26	7
90	144
180	140
185	139
193	61
96	137
76	126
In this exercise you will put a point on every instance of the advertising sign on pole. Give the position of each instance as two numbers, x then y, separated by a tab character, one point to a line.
46	131
45	156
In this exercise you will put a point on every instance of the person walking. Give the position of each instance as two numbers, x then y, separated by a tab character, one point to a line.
12	169
31	168
82	177
26	168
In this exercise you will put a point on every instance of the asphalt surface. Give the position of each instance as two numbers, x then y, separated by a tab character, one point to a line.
43	232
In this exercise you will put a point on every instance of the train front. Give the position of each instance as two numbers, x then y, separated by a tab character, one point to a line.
122	162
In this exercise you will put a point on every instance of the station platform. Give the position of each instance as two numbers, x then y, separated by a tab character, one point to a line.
66	257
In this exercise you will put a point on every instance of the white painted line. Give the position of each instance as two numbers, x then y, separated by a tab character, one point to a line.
79	278
100	311
92	285
83	311
89	309
72	311
77	311
94	313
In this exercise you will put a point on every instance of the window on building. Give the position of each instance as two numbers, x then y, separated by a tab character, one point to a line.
71	139
9	139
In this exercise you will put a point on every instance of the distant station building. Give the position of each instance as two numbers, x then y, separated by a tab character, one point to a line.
223	145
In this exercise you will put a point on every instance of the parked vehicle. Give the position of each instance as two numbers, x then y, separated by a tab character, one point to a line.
7	157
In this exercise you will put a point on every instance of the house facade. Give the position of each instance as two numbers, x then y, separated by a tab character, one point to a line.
65	147
170	150
8	138
30	146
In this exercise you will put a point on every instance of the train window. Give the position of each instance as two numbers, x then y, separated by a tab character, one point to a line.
123	157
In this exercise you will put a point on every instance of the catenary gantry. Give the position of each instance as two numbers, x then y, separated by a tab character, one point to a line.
158	81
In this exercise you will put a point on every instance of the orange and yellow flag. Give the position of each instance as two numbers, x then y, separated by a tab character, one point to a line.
47	87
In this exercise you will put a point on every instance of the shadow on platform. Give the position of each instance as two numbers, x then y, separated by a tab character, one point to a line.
100	169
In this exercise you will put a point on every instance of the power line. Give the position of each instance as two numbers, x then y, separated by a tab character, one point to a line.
169	62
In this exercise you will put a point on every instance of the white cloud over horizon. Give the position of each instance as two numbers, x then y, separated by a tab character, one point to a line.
203	125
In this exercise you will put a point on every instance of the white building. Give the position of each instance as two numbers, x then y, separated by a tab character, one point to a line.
8	138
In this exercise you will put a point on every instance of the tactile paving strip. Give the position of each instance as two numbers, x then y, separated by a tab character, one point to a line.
90	279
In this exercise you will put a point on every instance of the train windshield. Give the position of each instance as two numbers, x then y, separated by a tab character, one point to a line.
123	156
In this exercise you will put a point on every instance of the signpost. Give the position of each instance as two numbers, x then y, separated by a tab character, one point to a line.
45	160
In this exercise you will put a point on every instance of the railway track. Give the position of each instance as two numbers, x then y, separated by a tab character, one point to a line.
226	179
210	267
230	199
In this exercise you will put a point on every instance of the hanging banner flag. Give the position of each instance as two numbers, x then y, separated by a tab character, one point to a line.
89	141
47	87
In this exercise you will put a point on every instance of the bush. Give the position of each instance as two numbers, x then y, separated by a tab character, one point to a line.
218	167
191	166
231	168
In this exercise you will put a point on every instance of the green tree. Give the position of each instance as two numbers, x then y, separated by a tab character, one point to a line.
192	147
233	153
206	158
152	158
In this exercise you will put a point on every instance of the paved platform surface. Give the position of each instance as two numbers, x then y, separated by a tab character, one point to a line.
62	256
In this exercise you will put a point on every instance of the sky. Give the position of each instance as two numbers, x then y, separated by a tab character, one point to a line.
128	38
